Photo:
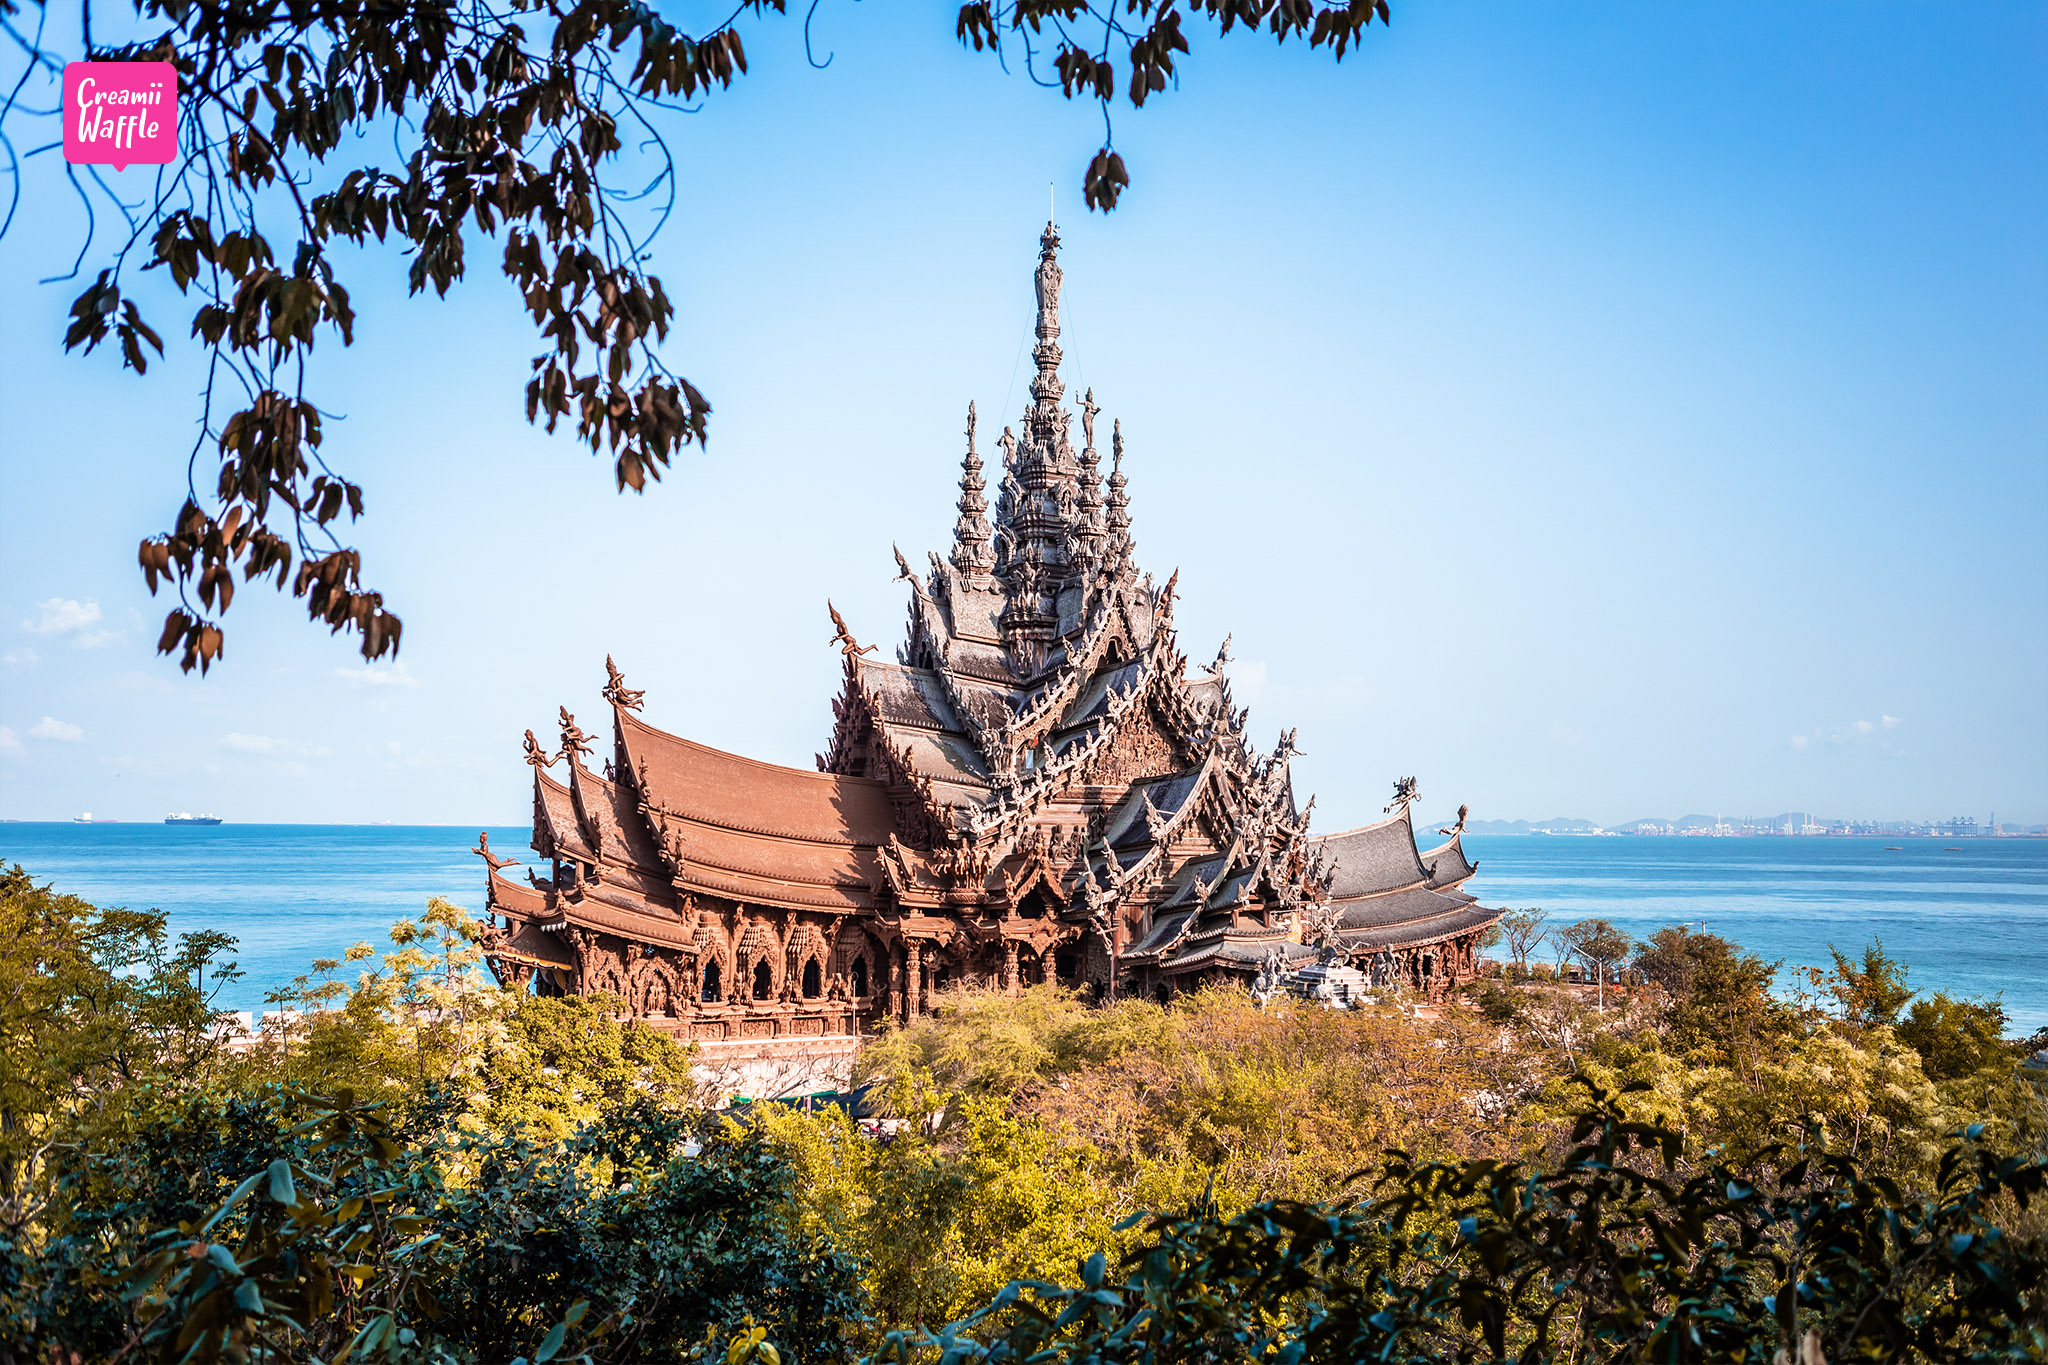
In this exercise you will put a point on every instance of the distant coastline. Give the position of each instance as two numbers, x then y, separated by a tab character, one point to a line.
1792	824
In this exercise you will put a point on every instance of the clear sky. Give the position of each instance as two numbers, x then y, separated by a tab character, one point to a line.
1592	410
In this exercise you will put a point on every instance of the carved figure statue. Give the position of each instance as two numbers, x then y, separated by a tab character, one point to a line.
843	637
1088	411
1324	934
615	690
483	848
1047	281
1222	658
574	741
1405	791
1286	748
1009	445
535	755
1271	979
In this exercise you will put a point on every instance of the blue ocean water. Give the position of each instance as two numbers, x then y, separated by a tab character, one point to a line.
288	893
1970	918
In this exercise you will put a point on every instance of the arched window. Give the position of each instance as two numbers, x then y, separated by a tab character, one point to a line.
860	977
764	980
711	981
814	986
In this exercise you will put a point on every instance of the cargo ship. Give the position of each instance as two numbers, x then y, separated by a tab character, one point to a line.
188	818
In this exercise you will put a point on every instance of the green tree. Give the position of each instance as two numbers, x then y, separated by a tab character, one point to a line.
513	123
1602	946
1956	1038
1524	932
1872	991
570	1059
98	1012
1722	1010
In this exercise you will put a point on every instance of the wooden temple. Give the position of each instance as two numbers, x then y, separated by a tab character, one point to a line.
1035	789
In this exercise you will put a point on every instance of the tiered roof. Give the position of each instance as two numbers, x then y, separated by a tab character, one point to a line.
1386	894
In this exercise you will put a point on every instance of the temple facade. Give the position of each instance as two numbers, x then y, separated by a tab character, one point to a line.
1036	789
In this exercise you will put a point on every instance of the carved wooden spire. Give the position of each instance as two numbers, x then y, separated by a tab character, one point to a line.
1036	514
972	553
1046	387
1117	516
1088	518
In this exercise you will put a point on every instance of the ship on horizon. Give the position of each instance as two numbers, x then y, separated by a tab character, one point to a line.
85	818
186	817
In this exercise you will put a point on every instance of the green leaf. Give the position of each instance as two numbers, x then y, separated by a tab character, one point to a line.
281	1188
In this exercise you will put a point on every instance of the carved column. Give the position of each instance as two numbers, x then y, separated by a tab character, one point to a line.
913	986
1010	967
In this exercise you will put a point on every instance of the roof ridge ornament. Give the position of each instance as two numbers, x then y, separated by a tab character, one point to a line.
575	744
536	757
843	637
615	690
1405	792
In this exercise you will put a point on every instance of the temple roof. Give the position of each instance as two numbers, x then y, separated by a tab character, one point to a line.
555	820
611	817
694	782
1397	907
1447	863
1372	859
1418	932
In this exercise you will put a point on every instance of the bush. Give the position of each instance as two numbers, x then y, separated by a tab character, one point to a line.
290	1229
1498	1003
1623	1251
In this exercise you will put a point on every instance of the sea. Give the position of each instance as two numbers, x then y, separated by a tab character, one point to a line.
1969	917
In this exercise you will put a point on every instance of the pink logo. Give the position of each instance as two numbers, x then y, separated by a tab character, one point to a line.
121	113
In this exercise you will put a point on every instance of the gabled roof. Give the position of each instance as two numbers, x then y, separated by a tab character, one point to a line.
1372	859
555	805
1448	866
1415	933
711	787
613	814
1397	907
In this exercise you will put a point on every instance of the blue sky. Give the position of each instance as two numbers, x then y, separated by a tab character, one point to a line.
1591	410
